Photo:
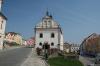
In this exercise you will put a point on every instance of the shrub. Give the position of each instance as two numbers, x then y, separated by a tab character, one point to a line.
38	50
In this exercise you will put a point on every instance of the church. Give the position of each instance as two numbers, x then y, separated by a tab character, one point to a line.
48	31
3	20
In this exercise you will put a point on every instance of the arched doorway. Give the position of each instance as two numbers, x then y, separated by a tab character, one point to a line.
46	50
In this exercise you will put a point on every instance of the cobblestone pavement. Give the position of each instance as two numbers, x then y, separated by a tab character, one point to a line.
34	60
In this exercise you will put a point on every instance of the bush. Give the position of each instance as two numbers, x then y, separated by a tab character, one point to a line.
11	43
38	50
53	50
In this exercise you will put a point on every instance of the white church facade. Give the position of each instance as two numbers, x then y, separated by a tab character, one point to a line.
48	31
3	20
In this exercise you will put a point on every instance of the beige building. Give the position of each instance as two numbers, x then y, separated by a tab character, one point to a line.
18	39
71	47
13	37
67	47
75	47
3	20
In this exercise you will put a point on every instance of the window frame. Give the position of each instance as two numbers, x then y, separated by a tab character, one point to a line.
52	35
41	35
40	44
52	44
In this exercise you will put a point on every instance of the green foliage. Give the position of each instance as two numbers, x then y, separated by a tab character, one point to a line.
11	43
60	61
14	44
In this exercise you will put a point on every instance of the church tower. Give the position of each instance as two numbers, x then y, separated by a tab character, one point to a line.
48	31
3	20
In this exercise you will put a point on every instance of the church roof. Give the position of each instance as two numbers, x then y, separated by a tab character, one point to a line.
47	22
1	14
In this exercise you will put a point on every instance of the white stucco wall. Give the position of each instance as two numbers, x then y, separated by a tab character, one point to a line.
61	42
47	37
2	31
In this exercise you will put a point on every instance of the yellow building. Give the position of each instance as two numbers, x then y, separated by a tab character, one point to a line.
13	37
18	39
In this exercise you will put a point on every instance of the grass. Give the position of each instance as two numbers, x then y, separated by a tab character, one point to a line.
60	61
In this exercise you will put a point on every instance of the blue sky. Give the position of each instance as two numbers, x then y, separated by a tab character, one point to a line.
78	18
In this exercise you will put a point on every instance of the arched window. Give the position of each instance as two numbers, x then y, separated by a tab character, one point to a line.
52	35
41	35
40	44
0	36
52	44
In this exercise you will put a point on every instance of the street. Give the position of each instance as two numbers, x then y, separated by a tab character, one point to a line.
14	57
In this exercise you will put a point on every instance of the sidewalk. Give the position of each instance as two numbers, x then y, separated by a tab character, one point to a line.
85	61
34	60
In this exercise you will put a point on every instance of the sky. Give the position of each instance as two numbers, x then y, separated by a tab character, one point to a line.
78	18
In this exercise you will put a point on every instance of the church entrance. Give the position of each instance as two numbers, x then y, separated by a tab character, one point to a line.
46	50
46	46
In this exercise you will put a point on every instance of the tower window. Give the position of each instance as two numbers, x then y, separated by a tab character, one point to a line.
45	21
52	44
49	21
52	35
40	44
41	35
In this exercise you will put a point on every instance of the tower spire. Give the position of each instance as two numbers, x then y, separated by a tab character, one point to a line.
47	13
1	2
